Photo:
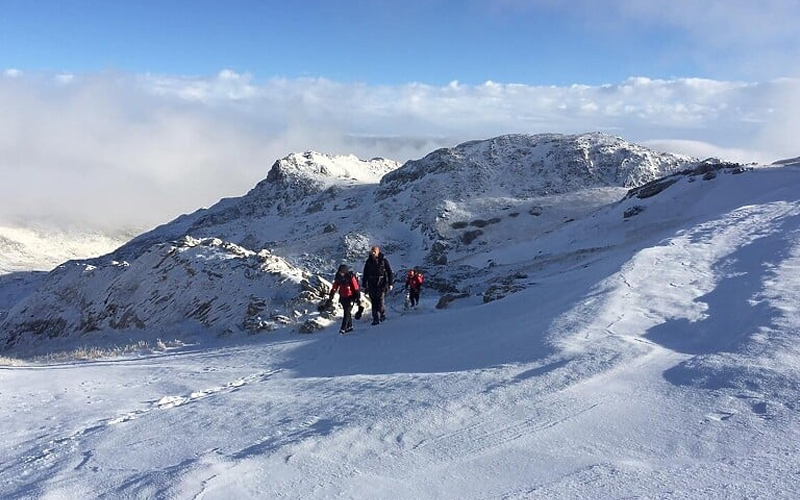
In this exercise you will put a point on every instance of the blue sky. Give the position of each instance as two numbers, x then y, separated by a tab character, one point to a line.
384	41
109	107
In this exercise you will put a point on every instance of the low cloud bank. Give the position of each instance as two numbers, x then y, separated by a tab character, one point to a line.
119	150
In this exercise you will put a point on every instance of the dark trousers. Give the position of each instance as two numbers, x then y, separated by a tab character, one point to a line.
376	297
347	306
413	296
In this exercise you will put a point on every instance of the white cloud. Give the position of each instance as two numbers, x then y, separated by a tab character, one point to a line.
699	149
117	149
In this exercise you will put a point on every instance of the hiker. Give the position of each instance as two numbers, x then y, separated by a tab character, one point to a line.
377	280
414	286
346	283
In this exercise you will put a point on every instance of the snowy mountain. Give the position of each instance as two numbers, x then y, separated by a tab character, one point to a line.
454	195
600	342
313	211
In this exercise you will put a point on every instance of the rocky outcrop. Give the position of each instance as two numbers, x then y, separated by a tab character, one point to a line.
207	282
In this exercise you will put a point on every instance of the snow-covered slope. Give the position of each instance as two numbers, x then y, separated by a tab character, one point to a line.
788	162
648	349
314	211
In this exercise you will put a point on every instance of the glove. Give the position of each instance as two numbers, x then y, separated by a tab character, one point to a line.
360	311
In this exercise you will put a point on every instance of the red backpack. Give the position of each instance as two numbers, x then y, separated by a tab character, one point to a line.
414	280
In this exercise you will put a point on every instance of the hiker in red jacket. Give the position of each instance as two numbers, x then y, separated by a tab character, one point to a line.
414	286
346	283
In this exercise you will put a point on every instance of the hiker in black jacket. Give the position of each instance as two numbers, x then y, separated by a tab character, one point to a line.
377	280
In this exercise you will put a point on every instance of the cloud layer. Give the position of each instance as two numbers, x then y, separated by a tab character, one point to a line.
137	150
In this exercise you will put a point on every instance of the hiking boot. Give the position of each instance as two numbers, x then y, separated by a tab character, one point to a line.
343	331
348	329
375	322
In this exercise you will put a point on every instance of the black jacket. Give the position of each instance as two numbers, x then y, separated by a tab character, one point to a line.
377	273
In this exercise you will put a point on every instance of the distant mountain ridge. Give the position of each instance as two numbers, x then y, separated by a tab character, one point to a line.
449	181
27	246
523	165
313	211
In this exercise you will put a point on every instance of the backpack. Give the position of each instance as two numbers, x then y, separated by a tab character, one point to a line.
347	284
414	280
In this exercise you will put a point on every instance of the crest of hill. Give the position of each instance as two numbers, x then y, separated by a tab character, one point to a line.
314	172
522	166
480	178
294	186
296	181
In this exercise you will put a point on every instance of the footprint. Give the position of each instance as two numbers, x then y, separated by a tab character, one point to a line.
760	409
720	415
757	405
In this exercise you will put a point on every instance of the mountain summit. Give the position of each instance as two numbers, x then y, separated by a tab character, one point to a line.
522	166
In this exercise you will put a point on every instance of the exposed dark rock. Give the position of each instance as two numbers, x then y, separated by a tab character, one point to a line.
438	253
445	300
708	169
632	211
505	286
470	236
496	292
652	188
484	223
